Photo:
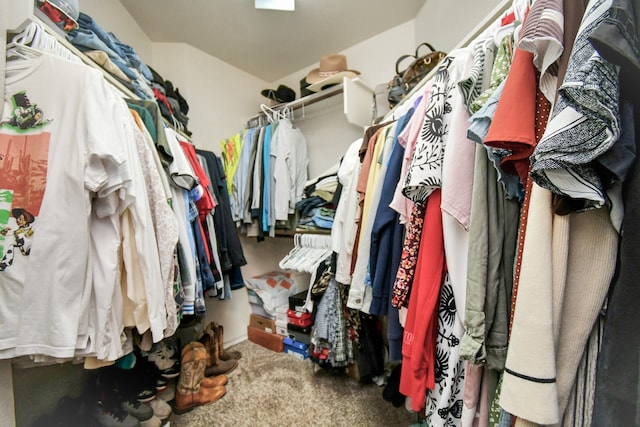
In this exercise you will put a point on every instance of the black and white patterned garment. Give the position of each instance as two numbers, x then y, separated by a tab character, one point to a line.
425	170
584	123
329	330
444	402
484	54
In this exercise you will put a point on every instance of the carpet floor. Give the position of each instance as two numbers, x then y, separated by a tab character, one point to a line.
277	389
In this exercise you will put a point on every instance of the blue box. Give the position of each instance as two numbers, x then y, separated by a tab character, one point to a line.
297	349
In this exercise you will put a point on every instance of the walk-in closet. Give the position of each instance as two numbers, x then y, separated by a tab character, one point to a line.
366	213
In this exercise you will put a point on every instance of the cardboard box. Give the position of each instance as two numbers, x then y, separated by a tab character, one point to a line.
263	323
273	342
281	327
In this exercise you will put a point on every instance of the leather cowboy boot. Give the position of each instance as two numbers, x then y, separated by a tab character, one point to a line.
225	354
201	354
215	366
189	392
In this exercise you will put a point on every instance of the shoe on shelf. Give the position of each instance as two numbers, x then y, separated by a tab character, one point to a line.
161	383
168	394
151	422
146	395
161	409
113	417
142	411
164	358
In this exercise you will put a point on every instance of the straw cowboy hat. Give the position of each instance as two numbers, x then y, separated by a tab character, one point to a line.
333	68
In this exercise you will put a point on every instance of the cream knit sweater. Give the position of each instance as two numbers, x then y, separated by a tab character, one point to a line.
568	263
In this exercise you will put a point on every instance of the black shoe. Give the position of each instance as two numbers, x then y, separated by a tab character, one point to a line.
161	384
146	395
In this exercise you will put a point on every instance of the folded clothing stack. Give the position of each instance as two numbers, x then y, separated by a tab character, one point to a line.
123	63
318	208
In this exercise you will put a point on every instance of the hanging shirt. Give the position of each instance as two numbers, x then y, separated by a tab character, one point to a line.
425	171
243	176
387	232
584	123
408	139
421	328
165	223
60	149
267	174
186	247
343	232
231	149
290	169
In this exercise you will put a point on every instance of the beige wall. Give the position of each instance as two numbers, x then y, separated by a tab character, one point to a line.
375	58
443	23
220	96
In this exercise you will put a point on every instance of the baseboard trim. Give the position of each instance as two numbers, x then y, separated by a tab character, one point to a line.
236	340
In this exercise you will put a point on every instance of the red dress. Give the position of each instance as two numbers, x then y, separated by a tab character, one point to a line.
421	327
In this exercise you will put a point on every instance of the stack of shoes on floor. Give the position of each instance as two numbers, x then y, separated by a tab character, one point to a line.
140	394
165	358
117	404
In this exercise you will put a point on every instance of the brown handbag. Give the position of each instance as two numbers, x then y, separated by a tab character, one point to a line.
405	80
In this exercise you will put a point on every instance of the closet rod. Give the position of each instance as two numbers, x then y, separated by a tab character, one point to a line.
304	101
489	19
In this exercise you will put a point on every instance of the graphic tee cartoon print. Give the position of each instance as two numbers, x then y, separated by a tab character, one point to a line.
23	175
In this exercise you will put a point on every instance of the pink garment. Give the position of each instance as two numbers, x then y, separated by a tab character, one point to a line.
459	155
421	328
408	138
476	396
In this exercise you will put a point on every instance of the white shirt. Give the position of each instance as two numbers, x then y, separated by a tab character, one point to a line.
73	155
290	172
343	233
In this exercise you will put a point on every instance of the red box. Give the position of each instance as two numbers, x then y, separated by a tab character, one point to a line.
298	314
297	321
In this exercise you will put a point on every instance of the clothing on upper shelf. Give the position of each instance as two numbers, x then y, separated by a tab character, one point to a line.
123	63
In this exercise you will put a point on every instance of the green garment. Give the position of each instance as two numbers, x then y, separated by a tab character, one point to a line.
162	145
147	119
492	249
501	66
231	149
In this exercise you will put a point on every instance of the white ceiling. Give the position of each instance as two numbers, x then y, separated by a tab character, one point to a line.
269	44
